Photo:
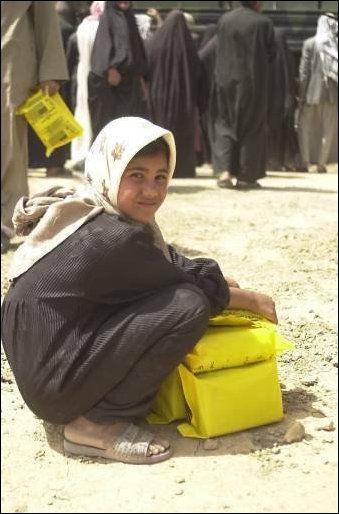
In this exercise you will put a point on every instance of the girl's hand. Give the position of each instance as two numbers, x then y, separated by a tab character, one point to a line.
264	304
255	302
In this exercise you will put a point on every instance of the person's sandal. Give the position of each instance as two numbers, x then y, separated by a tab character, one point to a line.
242	184
130	447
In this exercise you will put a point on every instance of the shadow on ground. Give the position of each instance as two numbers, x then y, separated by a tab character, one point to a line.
298	404
283	189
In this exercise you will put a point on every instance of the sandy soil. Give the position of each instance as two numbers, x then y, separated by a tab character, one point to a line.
281	240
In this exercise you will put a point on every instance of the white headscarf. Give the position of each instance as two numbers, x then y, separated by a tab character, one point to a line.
113	149
50	217
326	40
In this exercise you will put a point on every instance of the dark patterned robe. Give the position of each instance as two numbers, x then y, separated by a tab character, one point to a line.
70	324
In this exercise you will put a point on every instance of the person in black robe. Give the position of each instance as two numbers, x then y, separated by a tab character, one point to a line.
282	140
244	49
174	77
116	82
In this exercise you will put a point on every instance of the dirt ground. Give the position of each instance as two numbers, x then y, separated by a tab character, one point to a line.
281	240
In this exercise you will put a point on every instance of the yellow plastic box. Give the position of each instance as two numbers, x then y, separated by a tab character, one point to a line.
228	382
230	400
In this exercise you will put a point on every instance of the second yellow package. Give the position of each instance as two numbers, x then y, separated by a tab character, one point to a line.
51	120
230	400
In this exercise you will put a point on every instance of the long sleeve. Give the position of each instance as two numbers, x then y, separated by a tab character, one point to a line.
133	267
207	275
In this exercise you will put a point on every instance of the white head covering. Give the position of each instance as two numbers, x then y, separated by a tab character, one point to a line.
50	217
326	40
113	149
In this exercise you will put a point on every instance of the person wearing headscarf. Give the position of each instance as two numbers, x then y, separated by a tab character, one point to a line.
318	97
245	47
101	309
116	82
174	77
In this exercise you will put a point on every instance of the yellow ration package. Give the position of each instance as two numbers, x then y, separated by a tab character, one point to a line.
230	400
229	380
51	120
236	338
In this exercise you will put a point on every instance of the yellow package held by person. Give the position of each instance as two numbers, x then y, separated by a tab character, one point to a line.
51	120
230	400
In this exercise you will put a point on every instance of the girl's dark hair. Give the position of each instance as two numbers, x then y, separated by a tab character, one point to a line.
154	148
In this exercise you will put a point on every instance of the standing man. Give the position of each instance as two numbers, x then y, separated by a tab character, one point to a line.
32	55
245	47
318	74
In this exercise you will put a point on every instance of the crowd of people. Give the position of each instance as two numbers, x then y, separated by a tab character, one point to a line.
231	95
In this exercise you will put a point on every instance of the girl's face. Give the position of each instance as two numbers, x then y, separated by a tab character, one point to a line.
143	187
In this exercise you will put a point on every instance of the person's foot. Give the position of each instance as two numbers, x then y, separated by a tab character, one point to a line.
312	168
321	168
244	184
5	242
302	167
225	181
121	441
